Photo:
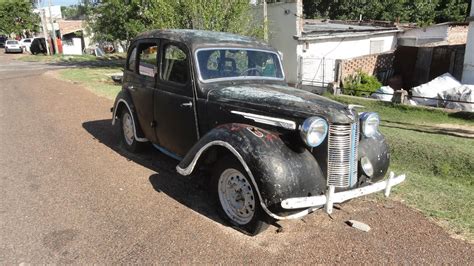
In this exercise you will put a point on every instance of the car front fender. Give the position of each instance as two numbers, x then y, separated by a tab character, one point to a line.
276	170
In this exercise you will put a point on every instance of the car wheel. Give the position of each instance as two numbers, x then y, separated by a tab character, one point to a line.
127	132
237	199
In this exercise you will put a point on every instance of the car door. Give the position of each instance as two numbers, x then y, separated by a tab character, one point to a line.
140	81
176	126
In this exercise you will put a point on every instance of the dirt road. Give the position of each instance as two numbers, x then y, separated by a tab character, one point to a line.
71	194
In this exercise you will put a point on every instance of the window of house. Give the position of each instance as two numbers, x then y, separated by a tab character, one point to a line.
376	46
132	59
175	65
147	59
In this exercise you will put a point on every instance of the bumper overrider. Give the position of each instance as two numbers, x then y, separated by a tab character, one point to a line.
327	201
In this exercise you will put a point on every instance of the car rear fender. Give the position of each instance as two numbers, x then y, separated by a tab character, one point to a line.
123	101
276	170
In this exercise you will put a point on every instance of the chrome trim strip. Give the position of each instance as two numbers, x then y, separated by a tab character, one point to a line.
189	169
237	78
133	120
274	121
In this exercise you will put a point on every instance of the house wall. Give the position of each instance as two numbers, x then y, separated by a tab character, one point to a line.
421	36
282	26
457	34
319	56
72	46
468	70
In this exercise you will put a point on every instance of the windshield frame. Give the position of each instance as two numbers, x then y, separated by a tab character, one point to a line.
239	77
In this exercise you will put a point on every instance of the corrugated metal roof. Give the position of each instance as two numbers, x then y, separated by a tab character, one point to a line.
327	29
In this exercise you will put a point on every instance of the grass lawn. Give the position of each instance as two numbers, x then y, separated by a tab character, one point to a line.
96	79
71	58
439	164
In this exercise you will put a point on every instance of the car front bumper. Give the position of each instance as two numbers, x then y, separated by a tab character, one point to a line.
327	201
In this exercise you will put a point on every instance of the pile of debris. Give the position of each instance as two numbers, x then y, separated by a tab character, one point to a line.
444	91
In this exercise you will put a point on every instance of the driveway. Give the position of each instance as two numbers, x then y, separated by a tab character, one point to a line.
71	194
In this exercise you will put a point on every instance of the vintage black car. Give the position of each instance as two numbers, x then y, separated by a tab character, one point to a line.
220	101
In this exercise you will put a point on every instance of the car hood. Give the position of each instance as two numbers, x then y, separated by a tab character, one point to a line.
283	100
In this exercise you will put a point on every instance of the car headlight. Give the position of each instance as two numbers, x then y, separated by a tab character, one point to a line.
370	124
313	131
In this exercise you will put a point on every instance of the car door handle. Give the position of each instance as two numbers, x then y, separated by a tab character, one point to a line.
130	87
188	104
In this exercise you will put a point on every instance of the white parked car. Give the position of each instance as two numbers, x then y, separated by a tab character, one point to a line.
26	43
13	46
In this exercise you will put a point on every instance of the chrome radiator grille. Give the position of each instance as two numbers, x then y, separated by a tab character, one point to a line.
342	155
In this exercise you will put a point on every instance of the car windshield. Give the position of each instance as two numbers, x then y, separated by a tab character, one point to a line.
12	42
231	63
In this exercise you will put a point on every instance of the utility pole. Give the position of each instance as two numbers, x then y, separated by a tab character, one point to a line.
45	29
52	28
265	21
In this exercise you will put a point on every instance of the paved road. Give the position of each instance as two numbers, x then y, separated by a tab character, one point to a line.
71	194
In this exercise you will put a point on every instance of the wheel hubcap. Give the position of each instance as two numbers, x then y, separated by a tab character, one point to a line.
127	127
236	196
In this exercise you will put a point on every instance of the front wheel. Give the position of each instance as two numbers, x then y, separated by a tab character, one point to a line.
237	198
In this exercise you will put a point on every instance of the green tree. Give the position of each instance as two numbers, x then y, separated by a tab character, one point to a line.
452	10
112	20
423	12
16	16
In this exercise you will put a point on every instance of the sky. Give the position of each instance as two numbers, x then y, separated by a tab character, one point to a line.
59	2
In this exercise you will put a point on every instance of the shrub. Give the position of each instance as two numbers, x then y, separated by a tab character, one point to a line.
361	84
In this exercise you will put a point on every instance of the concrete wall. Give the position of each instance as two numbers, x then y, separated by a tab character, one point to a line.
457	34
282	26
421	36
55	11
468	71
72	47
343	48
319	56
435	31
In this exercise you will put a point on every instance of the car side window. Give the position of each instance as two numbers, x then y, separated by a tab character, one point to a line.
132	60
175	65
147	59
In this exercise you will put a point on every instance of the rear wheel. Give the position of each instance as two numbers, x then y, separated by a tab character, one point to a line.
237	198
127	133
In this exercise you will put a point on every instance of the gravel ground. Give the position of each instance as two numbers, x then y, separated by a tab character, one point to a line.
71	194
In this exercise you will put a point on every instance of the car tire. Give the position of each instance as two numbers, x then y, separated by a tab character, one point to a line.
127	133
237	200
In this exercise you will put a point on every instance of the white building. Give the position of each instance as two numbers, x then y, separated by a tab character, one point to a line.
55	12
310	48
468	71
448	33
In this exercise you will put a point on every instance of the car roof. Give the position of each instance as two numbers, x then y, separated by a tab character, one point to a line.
200	38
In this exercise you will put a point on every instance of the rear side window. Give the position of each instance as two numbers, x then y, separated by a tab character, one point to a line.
147	64
175	65
132	60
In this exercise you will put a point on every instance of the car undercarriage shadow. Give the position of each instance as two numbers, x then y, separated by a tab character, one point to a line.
191	191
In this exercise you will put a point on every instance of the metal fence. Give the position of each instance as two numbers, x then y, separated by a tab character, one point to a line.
409	97
316	71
